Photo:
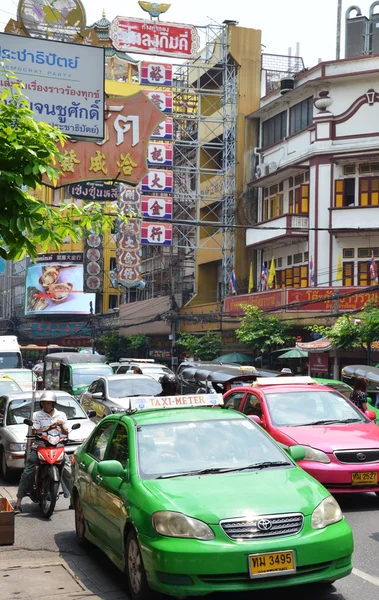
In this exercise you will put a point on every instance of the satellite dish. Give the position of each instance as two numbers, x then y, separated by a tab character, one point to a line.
60	20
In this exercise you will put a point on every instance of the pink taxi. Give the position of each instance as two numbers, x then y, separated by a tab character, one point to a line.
341	442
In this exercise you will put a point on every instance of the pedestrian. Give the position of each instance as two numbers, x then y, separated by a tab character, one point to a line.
359	394
137	371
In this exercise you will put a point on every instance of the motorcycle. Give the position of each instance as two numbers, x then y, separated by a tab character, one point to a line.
49	468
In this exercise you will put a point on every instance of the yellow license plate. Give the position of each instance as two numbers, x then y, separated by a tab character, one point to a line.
271	563
368	478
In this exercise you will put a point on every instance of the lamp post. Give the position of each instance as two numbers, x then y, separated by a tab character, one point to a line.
339	18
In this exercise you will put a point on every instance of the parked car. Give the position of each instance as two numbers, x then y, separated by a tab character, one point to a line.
15	407
185	502
110	394
25	378
151	368
341	443
346	390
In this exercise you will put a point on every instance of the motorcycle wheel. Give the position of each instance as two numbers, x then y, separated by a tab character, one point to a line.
49	496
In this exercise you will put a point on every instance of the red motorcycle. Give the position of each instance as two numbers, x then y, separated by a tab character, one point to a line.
49	468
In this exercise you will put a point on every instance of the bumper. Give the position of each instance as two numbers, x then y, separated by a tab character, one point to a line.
194	568
337	477
15	460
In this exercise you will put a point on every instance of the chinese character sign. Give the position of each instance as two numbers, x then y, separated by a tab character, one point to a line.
155	74
128	253
164	130
162	100
157	207
157	181
122	156
159	154
159	38
93	263
159	234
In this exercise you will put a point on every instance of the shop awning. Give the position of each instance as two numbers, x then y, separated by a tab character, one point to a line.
146	316
321	345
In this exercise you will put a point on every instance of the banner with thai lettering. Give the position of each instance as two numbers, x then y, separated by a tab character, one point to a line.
157	181
164	130
154	37
320	299
156	74
158	234
159	154
158	207
128	253
93	191
162	100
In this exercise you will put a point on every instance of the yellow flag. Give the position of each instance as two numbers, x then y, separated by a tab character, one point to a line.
271	275
339	269
251	280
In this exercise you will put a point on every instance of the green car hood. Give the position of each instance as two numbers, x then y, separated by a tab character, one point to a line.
214	497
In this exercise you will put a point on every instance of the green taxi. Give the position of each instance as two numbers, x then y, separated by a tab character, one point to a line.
188	498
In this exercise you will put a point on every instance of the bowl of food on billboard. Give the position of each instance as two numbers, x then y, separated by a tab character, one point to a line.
55	285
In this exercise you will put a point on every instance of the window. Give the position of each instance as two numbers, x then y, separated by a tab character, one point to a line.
301	115
98	443
348	253
279	262
234	400
349	170
118	448
289	260
364	273
298	196
273	202
2	409
112	301
306	256
298	258
295	277
112	263
363	252
369	168
369	191
274	129
344	192
252	406
348	273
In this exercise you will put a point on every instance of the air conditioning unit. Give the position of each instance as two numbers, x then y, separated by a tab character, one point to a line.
261	170
272	167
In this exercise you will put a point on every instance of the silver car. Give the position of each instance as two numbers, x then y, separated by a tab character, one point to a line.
25	378
15	407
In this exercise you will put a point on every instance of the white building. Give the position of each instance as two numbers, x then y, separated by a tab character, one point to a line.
318	177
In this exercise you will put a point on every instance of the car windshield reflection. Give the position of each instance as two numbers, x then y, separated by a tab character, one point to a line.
19	409
133	386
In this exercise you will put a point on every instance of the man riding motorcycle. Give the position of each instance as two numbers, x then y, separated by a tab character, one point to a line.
43	420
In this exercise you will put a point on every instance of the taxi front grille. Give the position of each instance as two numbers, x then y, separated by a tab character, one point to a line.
357	456
263	526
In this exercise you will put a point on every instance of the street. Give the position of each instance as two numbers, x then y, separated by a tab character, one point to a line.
57	566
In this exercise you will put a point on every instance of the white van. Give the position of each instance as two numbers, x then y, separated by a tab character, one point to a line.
10	353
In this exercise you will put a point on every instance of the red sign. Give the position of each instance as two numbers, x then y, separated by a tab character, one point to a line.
162	100
160	154
147	37
163	131
264	301
319	362
121	157
320	302
155	74
157	181
156	207
159	234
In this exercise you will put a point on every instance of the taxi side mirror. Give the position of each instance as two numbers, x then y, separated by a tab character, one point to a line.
98	395
370	414
256	419
296	452
111	468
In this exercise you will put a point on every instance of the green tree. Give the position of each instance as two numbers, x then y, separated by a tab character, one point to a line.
28	152
260	331
114	346
205	347
354	331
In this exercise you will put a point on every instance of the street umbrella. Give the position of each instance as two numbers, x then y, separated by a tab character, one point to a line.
294	353
234	357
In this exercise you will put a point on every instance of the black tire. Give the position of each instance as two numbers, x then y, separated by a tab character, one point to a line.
80	525
135	571
4	470
49	496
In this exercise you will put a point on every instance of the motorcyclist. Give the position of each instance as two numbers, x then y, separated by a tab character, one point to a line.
169	385
43	420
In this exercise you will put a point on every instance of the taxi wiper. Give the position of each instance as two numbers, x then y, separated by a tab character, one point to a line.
264	465
209	471
325	422
351	420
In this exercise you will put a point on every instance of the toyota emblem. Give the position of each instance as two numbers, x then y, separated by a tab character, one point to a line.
264	524
361	456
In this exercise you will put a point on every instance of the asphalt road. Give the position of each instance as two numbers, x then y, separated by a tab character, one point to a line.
41	542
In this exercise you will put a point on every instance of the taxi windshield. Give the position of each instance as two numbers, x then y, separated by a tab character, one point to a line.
212	446
311	408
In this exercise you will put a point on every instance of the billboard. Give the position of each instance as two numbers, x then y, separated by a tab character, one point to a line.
156	74
55	286
63	82
154	38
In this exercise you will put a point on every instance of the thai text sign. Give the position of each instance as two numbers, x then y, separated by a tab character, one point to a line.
319	362
320	302
129	122
93	191
156	207
159	38
155	74
63	82
265	301
159	154
158	234
57	330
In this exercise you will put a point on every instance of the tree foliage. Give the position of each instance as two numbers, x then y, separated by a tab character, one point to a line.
28	153
114	346
205	347
260	331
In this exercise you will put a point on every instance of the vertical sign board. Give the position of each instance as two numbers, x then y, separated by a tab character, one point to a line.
93	263
156	74
63	82
128	253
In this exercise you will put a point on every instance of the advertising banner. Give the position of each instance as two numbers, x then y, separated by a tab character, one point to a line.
265	301
55	286
319	362
164	131
162	100
159	154
128	253
93	191
156	207
159	38
158	234
63	82
122	156
319	301
93	263
155	74
58	330
157	181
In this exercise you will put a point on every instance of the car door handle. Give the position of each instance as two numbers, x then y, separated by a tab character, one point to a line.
99	478
82	465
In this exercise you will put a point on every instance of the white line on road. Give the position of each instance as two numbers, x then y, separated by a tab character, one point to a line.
366	577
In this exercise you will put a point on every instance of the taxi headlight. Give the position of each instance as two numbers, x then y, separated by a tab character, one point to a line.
174	524
327	513
17	447
316	455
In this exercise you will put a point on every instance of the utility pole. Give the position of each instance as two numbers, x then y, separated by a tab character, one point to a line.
339	19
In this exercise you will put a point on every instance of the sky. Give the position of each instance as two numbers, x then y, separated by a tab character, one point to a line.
283	23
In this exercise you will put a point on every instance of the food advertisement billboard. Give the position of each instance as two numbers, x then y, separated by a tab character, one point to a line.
55	286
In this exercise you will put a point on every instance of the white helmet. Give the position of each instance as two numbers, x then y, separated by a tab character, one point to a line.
48	396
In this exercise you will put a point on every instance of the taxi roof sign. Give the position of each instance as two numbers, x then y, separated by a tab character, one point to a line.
300	380
152	402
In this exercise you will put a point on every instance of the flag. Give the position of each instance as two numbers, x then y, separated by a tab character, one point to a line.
311	273
373	269
251	280
233	282
264	278
271	275
339	269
